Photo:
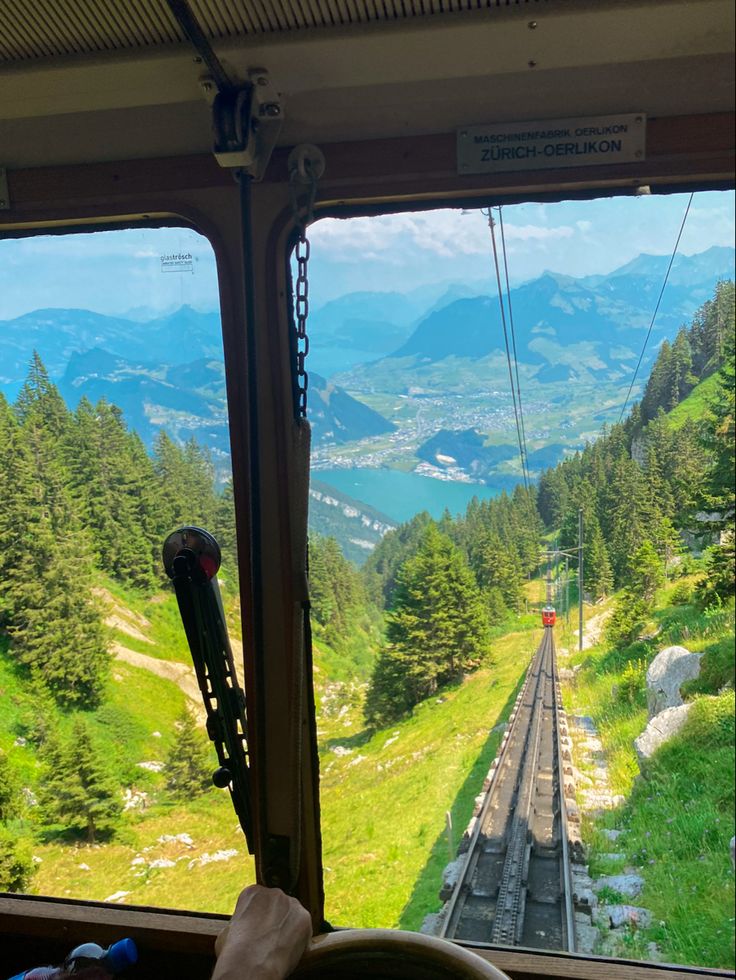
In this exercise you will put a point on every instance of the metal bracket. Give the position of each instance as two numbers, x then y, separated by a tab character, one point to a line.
246	122
4	192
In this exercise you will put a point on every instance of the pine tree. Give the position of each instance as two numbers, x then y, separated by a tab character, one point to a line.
681	380
38	711
647	573
720	441
720	581
498	568
39	401
390	553
668	543
628	619
78	790
57	626
437	628
110	479
188	763
9	789
630	514
597	566
224	525
389	694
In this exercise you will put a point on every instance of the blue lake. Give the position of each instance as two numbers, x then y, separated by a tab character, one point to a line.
402	495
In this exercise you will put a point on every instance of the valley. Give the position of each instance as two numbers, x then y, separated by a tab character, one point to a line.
409	383
418	655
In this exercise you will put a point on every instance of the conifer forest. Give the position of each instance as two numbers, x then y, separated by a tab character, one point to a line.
86	507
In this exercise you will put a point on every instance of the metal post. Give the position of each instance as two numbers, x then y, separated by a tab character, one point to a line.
580	577
567	589
450	845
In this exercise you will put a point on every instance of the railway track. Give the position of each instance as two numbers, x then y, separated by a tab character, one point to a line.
514	886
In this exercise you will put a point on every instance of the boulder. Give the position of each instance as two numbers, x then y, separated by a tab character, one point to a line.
432	924
628	915
450	877
660	729
667	672
612	835
628	885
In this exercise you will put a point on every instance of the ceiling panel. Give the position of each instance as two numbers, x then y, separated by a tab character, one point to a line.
36	30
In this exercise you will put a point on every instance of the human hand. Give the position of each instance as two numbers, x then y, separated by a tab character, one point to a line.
265	938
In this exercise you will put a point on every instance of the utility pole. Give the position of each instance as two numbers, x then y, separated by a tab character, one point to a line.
580	577
549	578
567	589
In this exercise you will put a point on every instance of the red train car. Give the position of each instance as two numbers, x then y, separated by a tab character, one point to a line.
549	616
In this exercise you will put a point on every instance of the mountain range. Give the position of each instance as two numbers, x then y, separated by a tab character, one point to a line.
422	376
565	326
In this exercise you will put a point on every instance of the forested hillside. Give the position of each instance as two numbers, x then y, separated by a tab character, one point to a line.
82	607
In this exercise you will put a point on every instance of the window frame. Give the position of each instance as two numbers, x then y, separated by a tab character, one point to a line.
363	178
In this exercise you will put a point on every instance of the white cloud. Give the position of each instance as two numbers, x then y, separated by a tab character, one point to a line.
446	234
526	233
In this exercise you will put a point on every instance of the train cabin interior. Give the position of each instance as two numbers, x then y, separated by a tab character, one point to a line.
106	121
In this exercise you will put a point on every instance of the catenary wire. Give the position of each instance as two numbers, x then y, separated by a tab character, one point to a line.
525	461
656	308
491	225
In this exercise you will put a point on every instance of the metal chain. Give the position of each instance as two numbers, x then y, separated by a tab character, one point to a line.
302	177
301	307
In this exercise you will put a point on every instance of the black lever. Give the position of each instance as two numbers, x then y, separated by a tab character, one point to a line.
192	558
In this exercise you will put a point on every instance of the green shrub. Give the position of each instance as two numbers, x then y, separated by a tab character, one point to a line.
631	687
711	721
717	669
628	620
681	594
16	862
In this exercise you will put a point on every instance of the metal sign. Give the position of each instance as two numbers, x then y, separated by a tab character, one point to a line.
551	144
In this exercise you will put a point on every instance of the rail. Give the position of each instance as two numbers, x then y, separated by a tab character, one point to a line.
514	887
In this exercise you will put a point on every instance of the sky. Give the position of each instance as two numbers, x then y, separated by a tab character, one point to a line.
121	271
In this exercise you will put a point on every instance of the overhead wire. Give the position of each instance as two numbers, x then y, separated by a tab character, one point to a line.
656	308
525	460
491	225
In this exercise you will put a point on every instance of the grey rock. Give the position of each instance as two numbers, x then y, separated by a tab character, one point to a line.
586	935
431	924
666	673
628	915
450	877
612	835
654	953
660	729
584	898
732	849
628	885
585	723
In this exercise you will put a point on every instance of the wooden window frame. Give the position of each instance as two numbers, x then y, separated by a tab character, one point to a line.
683	153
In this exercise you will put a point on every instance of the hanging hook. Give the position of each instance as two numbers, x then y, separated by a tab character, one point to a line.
306	165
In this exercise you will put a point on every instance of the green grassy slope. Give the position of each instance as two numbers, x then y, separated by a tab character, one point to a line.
678	820
697	403
384	795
